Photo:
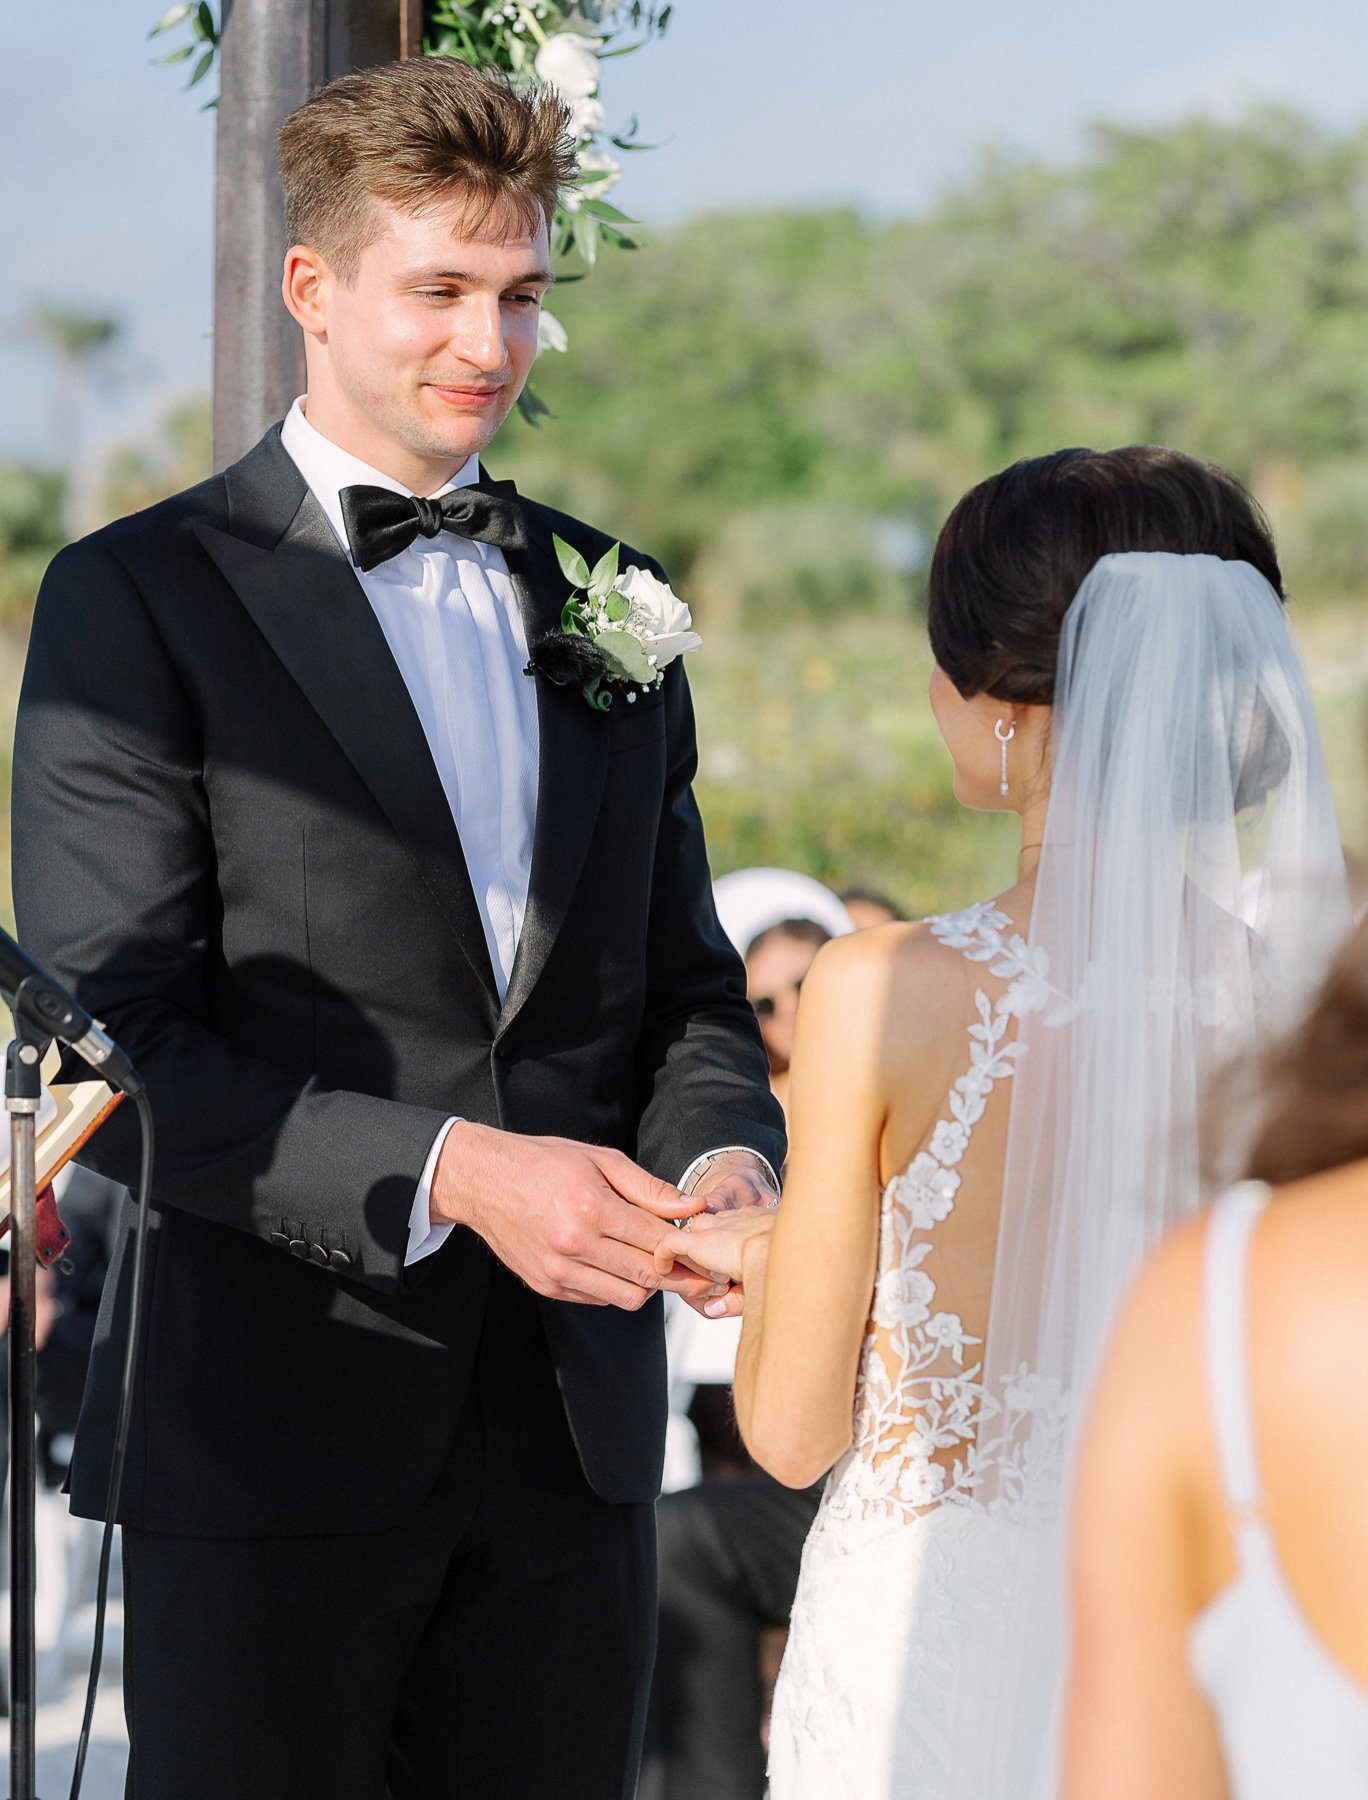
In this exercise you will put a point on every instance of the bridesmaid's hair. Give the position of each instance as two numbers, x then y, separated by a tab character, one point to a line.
1016	549
1315	1083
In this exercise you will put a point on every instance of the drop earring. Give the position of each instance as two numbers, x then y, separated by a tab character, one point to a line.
1004	738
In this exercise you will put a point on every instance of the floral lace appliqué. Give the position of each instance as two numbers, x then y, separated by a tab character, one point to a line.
921	1408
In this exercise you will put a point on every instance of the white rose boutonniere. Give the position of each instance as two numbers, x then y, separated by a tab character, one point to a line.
657	616
618	630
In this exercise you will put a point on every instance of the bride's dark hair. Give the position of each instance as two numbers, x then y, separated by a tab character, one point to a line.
1017	547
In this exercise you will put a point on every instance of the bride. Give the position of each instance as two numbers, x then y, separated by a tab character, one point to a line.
992	1112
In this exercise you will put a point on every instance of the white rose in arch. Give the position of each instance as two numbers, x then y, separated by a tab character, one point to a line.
658	617
569	63
587	118
599	174
551	334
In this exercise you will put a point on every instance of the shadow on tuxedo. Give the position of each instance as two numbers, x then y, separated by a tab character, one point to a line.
257	1335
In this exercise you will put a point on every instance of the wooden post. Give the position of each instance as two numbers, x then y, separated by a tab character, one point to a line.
274	54
410	29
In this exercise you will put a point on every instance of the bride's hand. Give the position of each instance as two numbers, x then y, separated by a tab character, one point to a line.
716	1244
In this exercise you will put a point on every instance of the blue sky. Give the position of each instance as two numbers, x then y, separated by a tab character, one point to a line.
106	166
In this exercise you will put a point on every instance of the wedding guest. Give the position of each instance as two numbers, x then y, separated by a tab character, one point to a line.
778	919
1220	1545
988	1108
730	1544
868	907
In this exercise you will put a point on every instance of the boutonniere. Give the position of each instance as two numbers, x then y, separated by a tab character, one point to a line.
617	630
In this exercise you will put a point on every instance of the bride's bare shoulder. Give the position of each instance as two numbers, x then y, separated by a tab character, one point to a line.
894	963
902	988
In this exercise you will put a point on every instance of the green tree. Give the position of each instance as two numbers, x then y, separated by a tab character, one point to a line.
31	534
138	475
81	344
1204	285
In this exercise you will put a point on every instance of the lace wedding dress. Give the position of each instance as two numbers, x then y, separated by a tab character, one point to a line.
869	1678
1188	896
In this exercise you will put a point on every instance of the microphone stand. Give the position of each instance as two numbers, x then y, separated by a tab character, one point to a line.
23	1092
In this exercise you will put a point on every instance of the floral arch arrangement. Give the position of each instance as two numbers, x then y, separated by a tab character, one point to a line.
563	45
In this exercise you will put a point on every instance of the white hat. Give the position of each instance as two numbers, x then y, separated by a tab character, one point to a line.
751	901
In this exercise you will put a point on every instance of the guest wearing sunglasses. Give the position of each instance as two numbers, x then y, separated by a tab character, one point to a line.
778	920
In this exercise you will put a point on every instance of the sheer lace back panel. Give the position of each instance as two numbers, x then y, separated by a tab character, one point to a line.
919	1397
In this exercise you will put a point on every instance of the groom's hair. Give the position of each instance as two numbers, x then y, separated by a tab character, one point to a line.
1017	548
414	134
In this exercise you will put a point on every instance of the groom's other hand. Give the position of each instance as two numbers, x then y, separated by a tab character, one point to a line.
733	1181
574	1221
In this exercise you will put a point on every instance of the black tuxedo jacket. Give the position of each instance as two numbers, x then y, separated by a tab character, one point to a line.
230	840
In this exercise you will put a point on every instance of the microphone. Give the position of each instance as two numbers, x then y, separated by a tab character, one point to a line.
42	1002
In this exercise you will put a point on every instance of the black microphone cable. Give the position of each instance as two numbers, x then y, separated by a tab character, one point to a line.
39	1000
121	1430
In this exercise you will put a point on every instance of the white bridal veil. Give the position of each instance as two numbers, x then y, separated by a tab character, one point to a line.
1189	896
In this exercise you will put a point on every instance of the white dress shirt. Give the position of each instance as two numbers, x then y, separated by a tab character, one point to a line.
450	616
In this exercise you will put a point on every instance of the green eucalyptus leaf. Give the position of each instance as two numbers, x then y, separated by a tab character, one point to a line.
587	238
203	66
624	655
617	608
533	408
572	564
605	573
172	17
602	210
175	56
205	26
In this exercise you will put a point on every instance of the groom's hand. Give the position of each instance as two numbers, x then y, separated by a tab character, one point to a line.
734	1181
574	1221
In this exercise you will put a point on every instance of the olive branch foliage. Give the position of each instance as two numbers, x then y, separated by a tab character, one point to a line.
514	36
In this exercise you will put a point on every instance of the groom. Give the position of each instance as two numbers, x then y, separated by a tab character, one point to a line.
416	953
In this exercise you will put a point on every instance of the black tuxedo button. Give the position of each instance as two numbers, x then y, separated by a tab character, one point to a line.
280	1240
340	1260
298	1247
319	1254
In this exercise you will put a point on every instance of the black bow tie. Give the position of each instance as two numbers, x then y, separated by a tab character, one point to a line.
380	524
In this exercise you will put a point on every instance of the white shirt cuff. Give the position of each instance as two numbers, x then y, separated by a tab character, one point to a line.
425	1237
726	1150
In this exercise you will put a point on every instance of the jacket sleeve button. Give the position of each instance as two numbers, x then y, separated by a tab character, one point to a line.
340	1260
319	1254
280	1240
298	1247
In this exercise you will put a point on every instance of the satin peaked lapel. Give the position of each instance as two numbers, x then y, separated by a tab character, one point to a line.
573	760
314	614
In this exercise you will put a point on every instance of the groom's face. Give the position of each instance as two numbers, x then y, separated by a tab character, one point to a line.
422	355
